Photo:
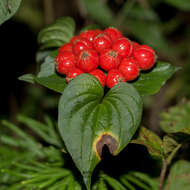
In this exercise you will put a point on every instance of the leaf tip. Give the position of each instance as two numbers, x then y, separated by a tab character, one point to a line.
105	139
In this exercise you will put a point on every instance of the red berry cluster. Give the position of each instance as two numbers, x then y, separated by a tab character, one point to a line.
107	55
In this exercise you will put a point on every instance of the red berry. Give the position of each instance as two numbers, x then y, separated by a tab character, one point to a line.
101	42
66	47
124	47
97	32
74	39
64	66
145	57
114	76
100	76
129	68
81	44
147	47
109	59
73	73
88	60
135	45
89	34
65	55
113	33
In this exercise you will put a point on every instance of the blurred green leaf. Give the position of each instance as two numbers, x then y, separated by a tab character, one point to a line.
150	82
99	11
30	78
149	33
91	27
47	132
169	144
179	176
48	76
180	4
8	8
152	142
138	179
56	34
176	119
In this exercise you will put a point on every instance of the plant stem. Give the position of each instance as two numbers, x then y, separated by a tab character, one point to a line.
163	173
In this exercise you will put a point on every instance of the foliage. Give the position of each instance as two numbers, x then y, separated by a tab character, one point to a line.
8	9
88	114
38	159
177	120
49	169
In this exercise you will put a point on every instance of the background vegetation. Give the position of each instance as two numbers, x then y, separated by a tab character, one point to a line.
164	25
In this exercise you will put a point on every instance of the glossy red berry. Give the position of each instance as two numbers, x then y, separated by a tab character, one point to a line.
145	57
66	47
80	45
65	65
101	42
73	73
89	34
147	47
109	59
114	76
135	45
124	47
99	74
65	55
97	32
113	33
74	39
129	68
88	60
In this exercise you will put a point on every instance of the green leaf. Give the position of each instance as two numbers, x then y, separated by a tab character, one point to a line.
58	33
113	182
170	147
88	120
91	27
49	78
99	11
182	4
149	33
179	177
30	78
8	8
152	142
150	82
176	119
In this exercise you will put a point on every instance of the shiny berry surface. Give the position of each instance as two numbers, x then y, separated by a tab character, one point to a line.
66	47
89	34
102	42
135	45
114	76
64	66
65	55
74	39
109	59
113	33
124	47
145	58
129	68
72	74
88	60
99	74
80	45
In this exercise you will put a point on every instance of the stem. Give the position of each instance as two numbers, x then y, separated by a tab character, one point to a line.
163	173
165	164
